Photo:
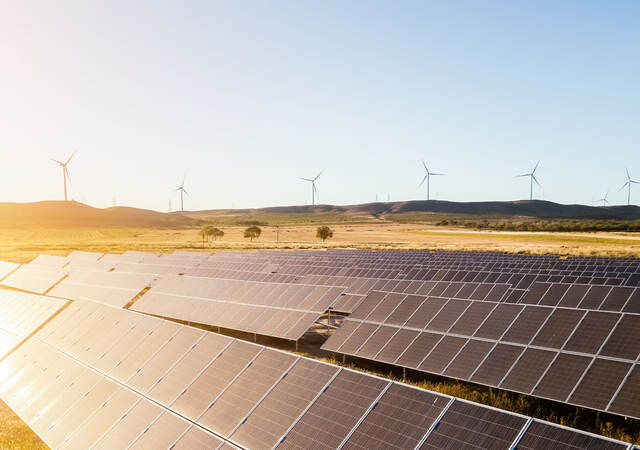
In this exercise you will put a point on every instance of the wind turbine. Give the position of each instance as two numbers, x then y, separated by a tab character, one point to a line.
314	190
182	192
628	185
604	200
65	172
427	177
532	177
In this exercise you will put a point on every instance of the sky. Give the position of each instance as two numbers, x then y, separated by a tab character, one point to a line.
244	97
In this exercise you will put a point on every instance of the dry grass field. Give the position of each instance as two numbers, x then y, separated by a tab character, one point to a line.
24	245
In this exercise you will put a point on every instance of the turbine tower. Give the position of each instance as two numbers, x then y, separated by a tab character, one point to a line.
604	200
532	179
182	192
427	177
628	185
314	190
65	172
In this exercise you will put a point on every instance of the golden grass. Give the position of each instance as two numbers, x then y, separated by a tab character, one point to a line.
24	245
14	434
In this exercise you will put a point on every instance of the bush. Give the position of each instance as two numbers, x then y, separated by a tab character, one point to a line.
324	233
252	233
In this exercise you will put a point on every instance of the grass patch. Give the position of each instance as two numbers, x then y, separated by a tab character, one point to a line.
15	434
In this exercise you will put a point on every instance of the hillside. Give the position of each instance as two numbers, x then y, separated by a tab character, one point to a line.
531	209
60	214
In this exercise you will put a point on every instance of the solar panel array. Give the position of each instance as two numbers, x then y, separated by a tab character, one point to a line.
118	379
274	309
573	355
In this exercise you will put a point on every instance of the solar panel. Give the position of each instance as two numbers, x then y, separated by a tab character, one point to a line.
468	426
338	408
6	268
541	435
35	278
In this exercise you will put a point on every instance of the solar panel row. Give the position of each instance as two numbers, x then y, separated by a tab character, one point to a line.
80	387
275	309
6	268
35	278
587	358
113	288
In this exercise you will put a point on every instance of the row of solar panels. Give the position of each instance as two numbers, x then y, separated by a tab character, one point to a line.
100	377
586	358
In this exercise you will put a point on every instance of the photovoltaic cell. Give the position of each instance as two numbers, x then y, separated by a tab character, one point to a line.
466	362
338	409
425	312
162	433
562	376
283	405
442	354
396	345
600	383
405	309
592	332
498	321
624	342
468	427
447	316
558	328
496	365
228	410
399	420
472	318
379	338
627	401
359	337
544	436
418	350
527	371
526	325
197	438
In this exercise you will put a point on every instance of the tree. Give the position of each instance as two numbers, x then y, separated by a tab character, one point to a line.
216	233
252	232
204	232
324	233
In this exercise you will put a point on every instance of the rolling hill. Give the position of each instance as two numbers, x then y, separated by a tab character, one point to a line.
60	214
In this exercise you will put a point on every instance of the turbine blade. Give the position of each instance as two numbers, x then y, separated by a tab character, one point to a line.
68	174
318	175
534	169
524	175
628	176
306	179
69	158
623	186
56	161
535	179
425	166
185	191
424	179
436	173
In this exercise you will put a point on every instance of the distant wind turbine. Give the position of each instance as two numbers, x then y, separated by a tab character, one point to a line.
65	172
182	192
532	179
604	200
427	177
628	185
314	190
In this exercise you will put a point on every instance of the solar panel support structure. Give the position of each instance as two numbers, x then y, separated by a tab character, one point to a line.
435	423
364	416
518	438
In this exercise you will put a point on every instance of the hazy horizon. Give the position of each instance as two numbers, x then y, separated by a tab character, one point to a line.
244	98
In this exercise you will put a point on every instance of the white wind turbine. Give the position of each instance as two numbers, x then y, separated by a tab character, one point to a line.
314	190
628	185
182	192
427	177
65	172
604	200
532	179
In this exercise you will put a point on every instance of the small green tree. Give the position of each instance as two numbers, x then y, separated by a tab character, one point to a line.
324	233
216	233
252	233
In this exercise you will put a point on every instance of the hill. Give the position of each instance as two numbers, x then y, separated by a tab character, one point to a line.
60	214
536	209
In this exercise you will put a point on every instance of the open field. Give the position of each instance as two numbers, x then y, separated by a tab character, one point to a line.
24	245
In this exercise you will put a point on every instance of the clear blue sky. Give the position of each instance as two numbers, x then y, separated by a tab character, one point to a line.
244	97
